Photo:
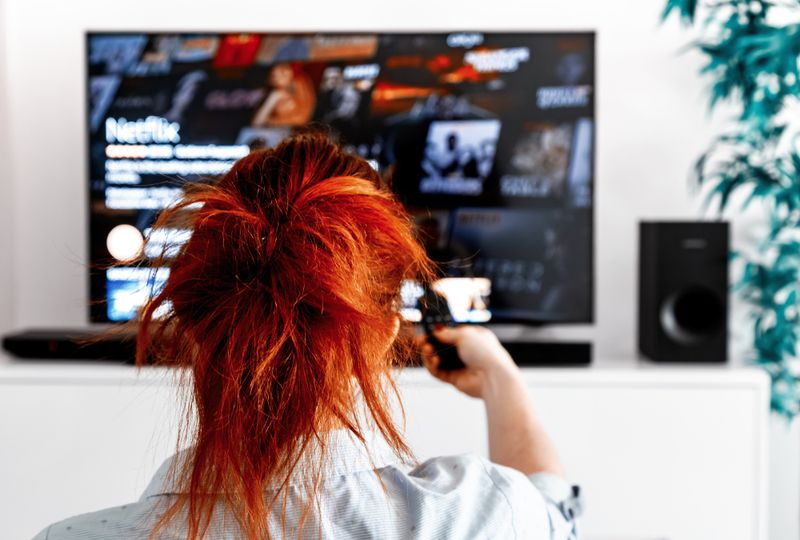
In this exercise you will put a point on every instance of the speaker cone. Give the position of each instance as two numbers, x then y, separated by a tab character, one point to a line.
693	315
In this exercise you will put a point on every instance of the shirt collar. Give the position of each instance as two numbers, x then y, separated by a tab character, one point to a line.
346	455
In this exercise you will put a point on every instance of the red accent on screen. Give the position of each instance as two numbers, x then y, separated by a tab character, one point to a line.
237	51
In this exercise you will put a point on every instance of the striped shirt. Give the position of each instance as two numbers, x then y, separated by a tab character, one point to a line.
370	495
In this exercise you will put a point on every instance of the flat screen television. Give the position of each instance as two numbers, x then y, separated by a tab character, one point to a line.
488	138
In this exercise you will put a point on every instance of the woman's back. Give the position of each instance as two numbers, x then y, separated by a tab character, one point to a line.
365	497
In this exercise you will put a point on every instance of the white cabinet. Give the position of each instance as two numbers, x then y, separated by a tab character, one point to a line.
660	453
678	453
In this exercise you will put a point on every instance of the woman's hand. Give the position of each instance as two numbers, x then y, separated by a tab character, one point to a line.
483	355
516	437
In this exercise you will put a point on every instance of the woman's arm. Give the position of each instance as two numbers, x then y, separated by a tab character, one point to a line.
517	438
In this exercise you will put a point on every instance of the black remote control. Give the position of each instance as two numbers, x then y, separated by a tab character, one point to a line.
435	311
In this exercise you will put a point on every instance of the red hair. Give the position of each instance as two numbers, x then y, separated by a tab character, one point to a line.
283	304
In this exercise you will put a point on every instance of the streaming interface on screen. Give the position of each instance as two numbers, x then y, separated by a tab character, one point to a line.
488	139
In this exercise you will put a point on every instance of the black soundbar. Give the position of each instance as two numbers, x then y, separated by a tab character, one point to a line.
61	344
114	346
549	353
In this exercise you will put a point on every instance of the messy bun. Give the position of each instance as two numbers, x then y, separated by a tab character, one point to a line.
282	305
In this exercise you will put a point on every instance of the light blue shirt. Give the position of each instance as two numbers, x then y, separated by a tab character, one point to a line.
371	496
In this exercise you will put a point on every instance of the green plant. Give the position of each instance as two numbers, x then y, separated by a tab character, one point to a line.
754	62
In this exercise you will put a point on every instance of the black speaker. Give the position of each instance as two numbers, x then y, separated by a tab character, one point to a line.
683	291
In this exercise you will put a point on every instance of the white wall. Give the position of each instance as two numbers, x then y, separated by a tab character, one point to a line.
7	253
651	113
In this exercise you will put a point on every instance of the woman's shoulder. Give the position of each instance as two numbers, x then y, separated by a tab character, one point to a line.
466	466
483	498
468	484
470	475
128	521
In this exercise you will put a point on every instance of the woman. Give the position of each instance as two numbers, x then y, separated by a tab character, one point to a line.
283	308
291	100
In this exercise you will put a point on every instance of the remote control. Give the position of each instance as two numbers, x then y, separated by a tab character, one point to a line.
435	311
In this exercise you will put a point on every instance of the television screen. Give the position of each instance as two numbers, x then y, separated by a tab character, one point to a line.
488	139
